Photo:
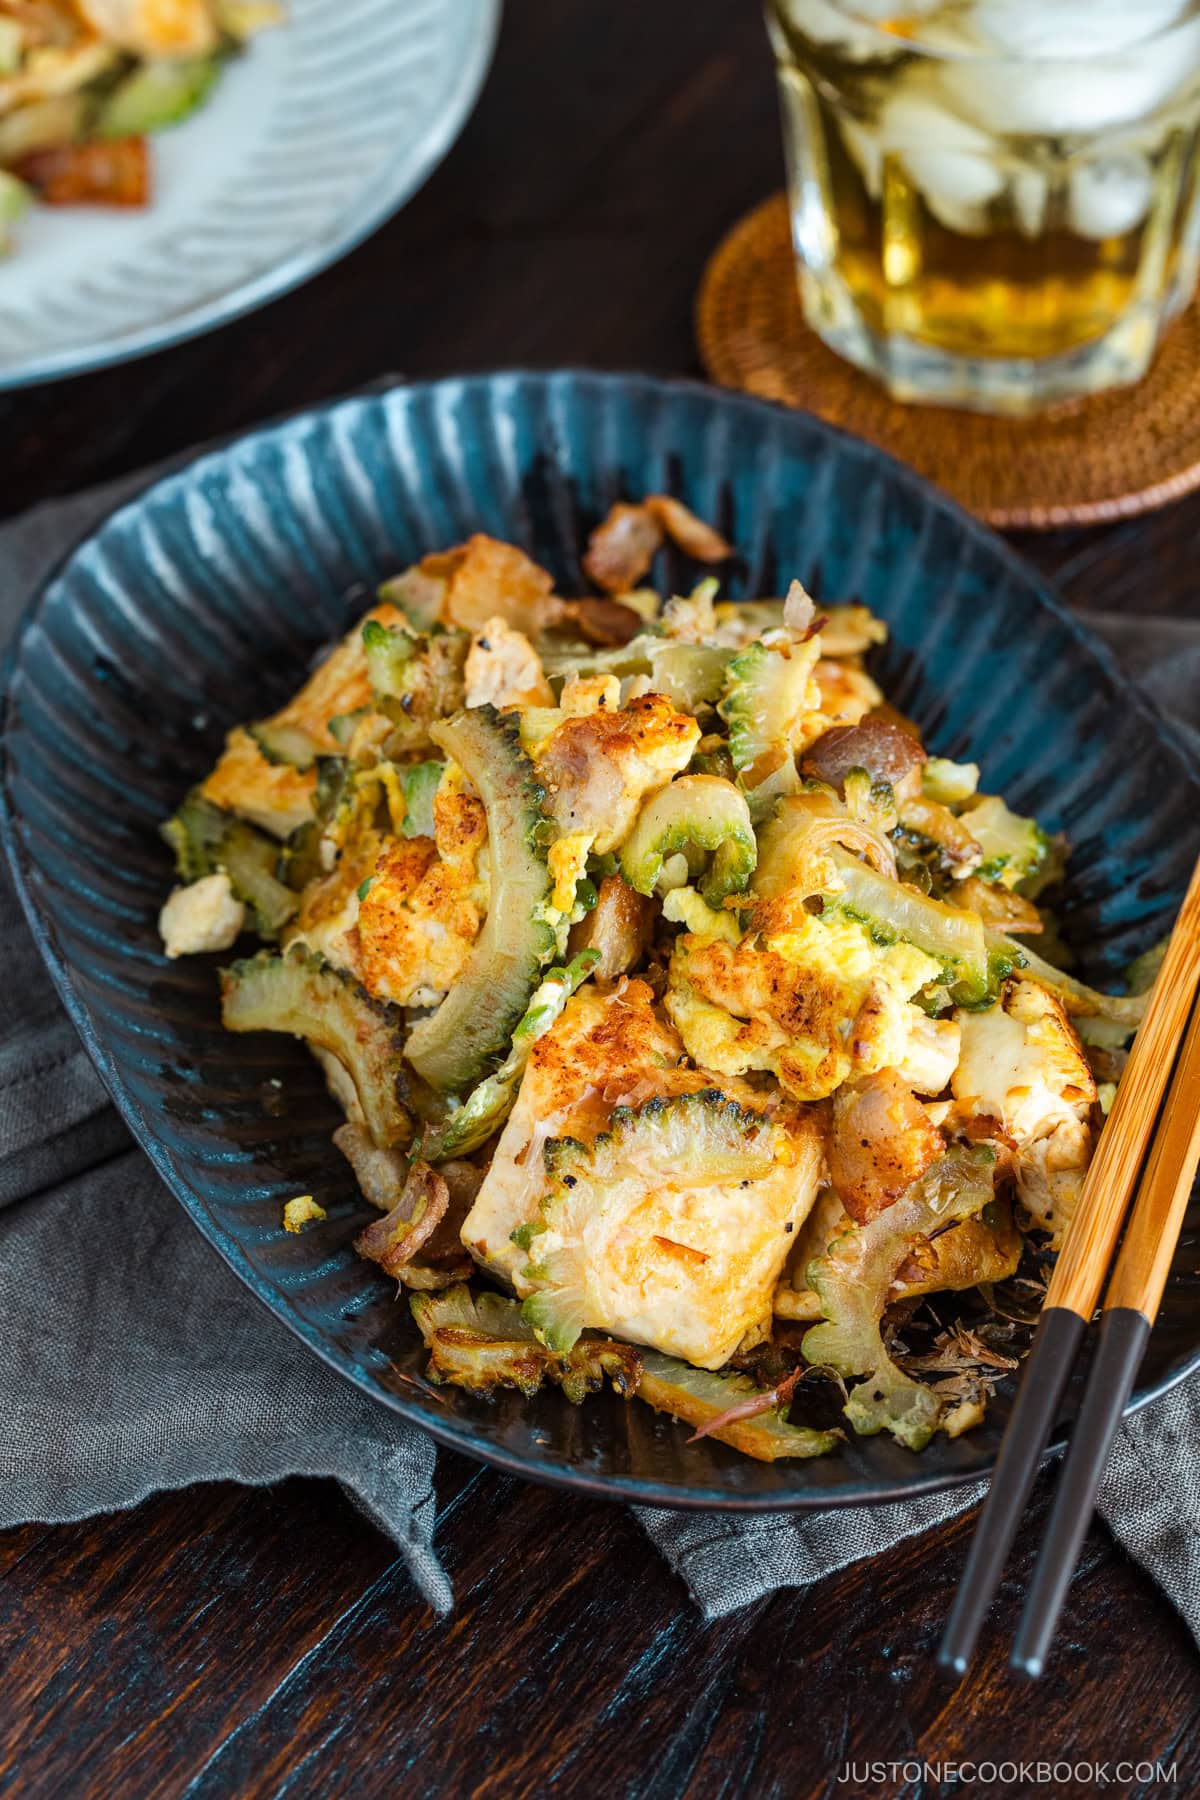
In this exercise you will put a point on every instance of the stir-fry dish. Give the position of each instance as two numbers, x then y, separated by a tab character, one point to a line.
84	83
682	1005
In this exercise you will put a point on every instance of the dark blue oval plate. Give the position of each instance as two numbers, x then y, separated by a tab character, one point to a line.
200	604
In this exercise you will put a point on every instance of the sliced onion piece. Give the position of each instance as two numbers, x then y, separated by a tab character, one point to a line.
1076	996
795	848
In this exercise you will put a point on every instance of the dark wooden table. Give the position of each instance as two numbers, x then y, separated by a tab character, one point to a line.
226	1642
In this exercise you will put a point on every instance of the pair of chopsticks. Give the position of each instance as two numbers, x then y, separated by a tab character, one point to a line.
1131	1303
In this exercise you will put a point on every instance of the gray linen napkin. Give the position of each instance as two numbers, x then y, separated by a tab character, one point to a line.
114	1384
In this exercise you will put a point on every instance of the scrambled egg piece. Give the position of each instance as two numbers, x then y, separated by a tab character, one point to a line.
203	916
328	917
272	795
52	68
584	694
420	914
1023	1069
402	913
683	1260
684	906
813	1006
416	926
503	669
302	1211
340	684
155	28
847	692
599	767
849	630
567	861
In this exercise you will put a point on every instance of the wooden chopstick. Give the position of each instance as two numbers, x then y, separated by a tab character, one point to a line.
1140	1277
1077	1280
1131	1305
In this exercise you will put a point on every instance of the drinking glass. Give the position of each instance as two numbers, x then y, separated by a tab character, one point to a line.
994	202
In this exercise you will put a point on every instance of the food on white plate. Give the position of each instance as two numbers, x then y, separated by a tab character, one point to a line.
680	1001
85	83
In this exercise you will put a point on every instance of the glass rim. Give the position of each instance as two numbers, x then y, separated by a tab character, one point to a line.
898	41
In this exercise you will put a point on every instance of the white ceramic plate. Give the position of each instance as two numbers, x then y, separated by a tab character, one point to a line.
310	140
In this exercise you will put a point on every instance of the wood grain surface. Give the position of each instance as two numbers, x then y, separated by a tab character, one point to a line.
223	1642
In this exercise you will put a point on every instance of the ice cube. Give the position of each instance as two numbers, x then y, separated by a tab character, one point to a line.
864	149
1110	196
1056	97
1064	28
823	23
1030	194
951	163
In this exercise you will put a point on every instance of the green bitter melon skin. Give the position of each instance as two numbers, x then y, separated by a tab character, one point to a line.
303	995
491	1100
420	782
487	1344
668	1379
1014	847
284	745
852	1281
765	691
703	810
301	857
416	679
205	840
470	1033
418	596
155	95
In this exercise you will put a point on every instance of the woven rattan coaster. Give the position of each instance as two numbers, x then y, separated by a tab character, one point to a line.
1092	460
